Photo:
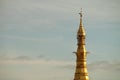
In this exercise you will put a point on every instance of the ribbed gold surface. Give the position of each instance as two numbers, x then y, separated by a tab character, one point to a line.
81	72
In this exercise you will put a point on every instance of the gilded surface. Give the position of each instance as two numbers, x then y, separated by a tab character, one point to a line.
81	69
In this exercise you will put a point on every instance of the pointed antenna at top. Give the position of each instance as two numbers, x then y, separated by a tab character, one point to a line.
80	13
80	17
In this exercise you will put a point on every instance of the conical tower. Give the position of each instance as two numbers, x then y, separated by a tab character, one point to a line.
81	72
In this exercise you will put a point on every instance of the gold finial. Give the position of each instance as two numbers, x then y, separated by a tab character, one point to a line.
80	13
80	17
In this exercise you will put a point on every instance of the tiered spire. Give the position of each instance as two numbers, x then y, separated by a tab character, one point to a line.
81	69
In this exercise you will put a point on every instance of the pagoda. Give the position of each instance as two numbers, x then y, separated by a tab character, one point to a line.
81	72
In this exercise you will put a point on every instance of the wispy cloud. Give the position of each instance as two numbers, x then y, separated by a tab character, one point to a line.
52	39
30	25
98	65
105	66
22	58
97	70
100	70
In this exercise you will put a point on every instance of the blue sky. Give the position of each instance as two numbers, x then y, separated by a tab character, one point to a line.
37	38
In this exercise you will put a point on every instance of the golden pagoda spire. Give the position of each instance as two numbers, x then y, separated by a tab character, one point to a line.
81	68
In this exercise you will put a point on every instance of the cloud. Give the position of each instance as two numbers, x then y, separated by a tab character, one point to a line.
47	39
33	69
36	14
98	65
105	66
22	58
98	70
105	70
41	56
61	69
28	60
8	59
28	20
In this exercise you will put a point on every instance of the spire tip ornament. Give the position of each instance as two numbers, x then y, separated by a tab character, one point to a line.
80	13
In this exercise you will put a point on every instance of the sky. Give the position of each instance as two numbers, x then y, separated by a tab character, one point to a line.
38	38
